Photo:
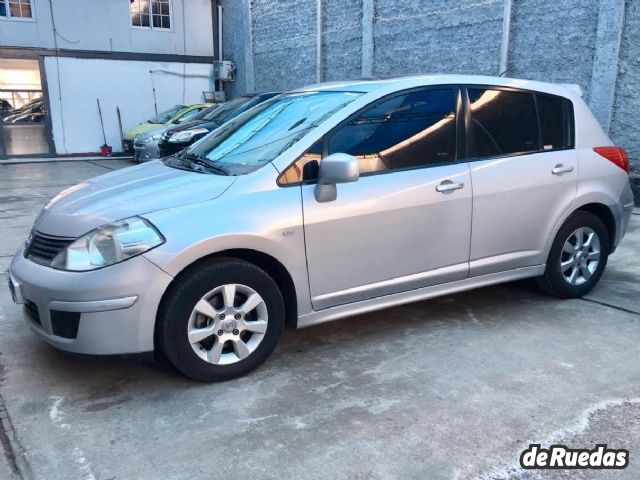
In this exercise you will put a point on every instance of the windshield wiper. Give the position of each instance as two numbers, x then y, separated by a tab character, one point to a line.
203	162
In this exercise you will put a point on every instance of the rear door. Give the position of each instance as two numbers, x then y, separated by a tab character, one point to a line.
524	172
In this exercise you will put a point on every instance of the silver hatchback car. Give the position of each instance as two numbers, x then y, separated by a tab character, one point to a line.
325	202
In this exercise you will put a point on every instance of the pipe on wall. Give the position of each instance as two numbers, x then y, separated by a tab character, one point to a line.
318	41
506	33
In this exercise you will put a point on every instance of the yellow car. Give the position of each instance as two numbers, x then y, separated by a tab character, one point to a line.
176	114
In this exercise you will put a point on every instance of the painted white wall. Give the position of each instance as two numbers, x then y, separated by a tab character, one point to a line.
106	26
117	83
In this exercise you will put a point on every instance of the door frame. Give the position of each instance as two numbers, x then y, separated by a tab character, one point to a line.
26	55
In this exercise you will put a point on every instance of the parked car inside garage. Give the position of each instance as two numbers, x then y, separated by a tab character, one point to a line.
32	112
5	108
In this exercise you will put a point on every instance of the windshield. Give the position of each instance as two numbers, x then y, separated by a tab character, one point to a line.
167	115
225	108
203	113
259	135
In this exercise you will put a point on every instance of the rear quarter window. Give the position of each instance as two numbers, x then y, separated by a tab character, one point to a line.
556	120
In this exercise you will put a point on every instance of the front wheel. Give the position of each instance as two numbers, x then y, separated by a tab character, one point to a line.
577	258
220	320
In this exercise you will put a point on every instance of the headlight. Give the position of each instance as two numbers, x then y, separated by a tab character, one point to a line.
186	135
109	244
152	138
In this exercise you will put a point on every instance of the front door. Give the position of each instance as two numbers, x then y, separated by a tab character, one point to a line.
406	222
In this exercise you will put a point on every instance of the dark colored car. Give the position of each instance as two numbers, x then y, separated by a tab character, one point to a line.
32	112
5	108
181	136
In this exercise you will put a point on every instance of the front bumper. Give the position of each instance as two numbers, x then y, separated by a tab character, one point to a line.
102	312
127	146
146	152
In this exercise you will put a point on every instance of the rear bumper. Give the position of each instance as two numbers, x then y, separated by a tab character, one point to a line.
622	212
101	312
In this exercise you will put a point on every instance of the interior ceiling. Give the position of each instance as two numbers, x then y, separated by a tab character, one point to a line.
17	74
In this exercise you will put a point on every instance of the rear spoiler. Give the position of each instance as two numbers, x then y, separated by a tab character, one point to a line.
572	86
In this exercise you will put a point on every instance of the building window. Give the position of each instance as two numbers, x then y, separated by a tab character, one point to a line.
150	13
16	9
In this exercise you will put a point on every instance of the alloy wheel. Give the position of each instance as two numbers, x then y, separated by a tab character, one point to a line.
580	256
227	324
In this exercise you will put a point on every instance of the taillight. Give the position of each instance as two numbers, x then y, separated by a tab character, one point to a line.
615	155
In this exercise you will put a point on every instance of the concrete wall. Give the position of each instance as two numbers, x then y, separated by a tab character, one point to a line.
554	41
625	124
284	36
568	41
438	36
106	25
341	40
236	44
125	84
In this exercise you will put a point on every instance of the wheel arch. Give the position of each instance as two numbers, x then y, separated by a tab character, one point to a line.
605	214
273	267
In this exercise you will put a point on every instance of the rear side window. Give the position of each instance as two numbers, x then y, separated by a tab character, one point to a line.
555	122
503	122
406	131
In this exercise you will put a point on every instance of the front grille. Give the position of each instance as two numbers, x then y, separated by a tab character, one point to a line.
44	248
32	310
128	145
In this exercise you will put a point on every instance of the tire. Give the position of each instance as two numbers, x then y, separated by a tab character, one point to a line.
569	274
208	301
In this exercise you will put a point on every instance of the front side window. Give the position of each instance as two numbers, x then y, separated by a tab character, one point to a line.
150	13
410	130
16	9
305	168
503	122
261	134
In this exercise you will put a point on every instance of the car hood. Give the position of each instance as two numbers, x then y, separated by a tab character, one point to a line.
124	193
142	128
187	125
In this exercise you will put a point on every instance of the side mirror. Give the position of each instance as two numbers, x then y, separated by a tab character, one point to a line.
336	168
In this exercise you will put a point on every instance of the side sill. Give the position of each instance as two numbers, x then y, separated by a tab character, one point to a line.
379	303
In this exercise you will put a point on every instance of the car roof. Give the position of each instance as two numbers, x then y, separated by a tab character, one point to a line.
195	105
400	83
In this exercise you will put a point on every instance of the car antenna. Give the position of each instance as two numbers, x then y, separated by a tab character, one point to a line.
505	71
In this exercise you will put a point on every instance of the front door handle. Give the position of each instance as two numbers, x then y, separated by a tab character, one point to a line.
447	186
560	169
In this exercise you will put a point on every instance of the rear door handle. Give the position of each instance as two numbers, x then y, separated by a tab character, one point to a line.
560	169
447	186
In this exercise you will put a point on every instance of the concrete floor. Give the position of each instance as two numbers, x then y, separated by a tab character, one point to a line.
454	387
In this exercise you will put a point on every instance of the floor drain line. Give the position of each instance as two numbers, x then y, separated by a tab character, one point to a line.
615	307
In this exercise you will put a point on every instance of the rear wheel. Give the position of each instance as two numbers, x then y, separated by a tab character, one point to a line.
577	258
221	321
